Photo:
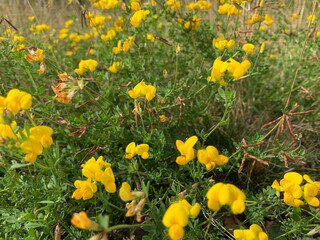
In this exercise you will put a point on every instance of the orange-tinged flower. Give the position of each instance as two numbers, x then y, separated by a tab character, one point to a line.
81	220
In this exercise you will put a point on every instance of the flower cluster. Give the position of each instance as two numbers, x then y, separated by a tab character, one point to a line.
133	150
222	70
254	232
138	17
31	141
125	47
202	5
97	171
35	55
223	44
209	157
39	137
177	216
143	90
292	190
127	195
86	65
40	28
229	9
67	87
226	194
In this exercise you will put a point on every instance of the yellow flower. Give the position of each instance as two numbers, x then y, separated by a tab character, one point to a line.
248	48
226	194
151	37
176	218
142	150
222	44
118	48
268	20
68	23
81	220
311	18
85	189
210	157
229	9
114	68
177	215
173	4
163	118
141	90
17	100
126	194
100	171
255	18
86	65
254	232
186	150
40	28
138	17
130	150
311	191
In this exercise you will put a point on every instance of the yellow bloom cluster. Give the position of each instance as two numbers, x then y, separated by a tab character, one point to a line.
143	90
105	4
229	9
222	44
127	44
255	18
177	216
254	232
292	191
202	5
15	101
97	21
173	4
193	23
40	28
133	150
127	195
39	137
114	68
32	141
138	17
221	70
209	157
36	55
248	48
186	150
86	65
99	171
226	194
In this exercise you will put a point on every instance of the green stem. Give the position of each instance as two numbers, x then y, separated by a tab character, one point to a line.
122	226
